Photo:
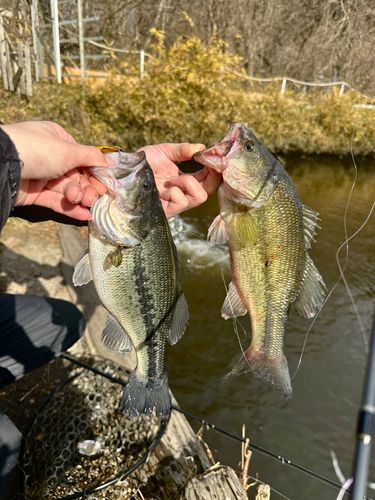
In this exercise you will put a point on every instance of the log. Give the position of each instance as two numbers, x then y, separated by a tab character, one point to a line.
216	484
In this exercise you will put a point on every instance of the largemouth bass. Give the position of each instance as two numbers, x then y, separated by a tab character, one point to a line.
268	231
133	262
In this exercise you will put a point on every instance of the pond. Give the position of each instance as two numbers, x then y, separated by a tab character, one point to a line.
322	414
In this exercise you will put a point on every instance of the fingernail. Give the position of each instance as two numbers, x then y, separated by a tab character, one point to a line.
174	177
79	197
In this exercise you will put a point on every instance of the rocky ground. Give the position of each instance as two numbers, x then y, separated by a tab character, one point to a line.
30	263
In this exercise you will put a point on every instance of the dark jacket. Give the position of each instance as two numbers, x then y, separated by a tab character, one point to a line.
10	177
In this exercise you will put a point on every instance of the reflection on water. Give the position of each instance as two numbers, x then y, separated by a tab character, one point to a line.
322	414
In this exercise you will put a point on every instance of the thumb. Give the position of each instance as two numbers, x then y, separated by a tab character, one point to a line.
87	156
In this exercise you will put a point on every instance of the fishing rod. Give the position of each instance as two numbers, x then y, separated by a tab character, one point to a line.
283	460
365	427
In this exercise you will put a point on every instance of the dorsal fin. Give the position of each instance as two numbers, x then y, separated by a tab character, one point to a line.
310	218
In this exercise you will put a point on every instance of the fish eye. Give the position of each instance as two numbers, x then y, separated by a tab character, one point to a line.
147	185
249	145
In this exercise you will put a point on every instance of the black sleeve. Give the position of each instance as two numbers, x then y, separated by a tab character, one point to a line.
10	176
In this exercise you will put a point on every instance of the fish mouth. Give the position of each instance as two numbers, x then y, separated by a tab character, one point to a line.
215	157
123	174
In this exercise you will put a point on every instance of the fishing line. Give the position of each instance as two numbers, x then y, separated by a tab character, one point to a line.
281	459
346	233
345	243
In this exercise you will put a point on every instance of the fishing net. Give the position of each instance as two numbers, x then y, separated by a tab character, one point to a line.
80	439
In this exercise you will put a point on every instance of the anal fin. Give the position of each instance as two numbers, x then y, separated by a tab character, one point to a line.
310	218
312	291
180	319
233	305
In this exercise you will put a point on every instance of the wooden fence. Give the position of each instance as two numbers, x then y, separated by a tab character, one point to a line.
15	64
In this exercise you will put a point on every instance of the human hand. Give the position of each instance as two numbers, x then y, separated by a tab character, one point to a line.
179	191
52	175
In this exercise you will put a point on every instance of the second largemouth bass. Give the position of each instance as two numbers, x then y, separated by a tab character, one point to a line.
268	231
133	262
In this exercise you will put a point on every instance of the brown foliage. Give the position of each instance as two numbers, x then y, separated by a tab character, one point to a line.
187	94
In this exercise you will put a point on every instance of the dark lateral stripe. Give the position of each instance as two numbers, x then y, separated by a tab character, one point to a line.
154	342
154	338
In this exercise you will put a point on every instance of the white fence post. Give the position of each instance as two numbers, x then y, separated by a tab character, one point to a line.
29	91
81	41
56	38
2	57
283	86
9	66
34	24
21	68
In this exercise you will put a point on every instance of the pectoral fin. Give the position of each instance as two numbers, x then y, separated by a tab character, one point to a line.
310	218
245	229
179	321
82	272
113	259
312	291
233	305
115	338
217	234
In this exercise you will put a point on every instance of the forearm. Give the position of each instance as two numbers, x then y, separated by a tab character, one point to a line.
10	176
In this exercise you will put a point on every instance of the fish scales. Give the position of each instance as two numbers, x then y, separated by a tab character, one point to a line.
141	304
133	262
268	231
272	268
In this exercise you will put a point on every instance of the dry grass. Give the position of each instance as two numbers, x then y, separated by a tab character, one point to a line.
187	95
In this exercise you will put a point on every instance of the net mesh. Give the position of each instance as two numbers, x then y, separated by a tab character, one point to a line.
84	413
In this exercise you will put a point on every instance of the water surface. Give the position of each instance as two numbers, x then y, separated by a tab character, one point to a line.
322	414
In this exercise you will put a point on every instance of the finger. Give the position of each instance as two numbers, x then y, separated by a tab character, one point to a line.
86	196
174	201
58	203
99	186
90	196
75	187
192	189
174	152
209	179
180	152
85	156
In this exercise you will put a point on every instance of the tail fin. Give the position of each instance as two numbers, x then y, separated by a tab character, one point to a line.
142	396
271	369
